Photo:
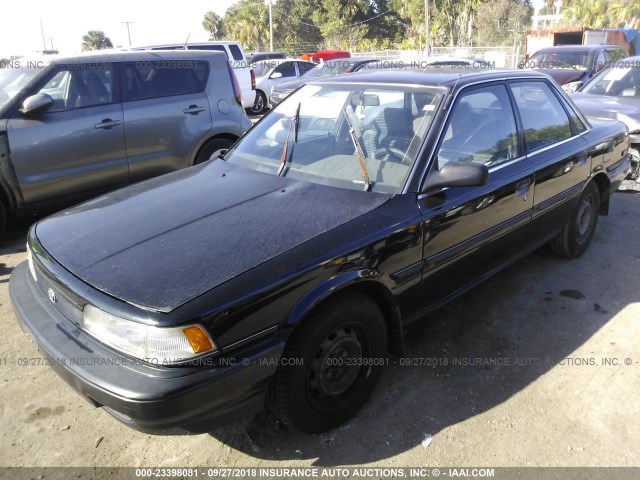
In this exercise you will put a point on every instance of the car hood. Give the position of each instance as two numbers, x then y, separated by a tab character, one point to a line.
161	243
625	109
291	84
563	76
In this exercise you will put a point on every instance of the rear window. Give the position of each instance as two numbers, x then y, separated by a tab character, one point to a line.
164	78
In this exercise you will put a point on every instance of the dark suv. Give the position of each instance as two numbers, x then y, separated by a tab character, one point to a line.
572	65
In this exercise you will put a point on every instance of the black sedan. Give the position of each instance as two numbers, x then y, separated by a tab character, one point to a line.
285	272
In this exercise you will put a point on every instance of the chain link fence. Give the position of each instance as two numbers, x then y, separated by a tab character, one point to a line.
499	57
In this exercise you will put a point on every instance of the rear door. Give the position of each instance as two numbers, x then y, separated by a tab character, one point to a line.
556	151
166	113
470	231
78	145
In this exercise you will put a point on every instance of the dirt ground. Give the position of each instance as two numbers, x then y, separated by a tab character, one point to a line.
541	369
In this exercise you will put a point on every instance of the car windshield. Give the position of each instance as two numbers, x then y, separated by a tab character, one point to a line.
560	60
362	137
617	80
12	80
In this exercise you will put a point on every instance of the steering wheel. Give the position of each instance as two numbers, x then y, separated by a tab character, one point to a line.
395	152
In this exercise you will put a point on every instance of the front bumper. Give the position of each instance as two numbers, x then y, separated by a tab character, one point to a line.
149	398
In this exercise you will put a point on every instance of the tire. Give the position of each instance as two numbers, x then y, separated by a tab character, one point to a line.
3	222
213	148
260	105
577	232
314	396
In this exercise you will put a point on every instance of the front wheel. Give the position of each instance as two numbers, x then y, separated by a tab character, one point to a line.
577	232
331	364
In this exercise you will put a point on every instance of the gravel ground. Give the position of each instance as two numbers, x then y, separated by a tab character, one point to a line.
558	393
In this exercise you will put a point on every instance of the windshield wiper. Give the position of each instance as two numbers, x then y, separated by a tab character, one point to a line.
285	149
359	151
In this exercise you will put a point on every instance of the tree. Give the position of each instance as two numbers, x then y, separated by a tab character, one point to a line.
586	13
95	40
497	21
248	22
625	13
212	23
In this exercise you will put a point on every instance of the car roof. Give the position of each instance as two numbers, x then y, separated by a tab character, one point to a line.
103	56
433	77
576	48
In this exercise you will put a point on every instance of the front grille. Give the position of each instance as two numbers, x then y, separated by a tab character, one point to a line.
65	302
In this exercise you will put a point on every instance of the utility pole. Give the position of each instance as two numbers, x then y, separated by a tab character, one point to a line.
128	31
426	26
270	28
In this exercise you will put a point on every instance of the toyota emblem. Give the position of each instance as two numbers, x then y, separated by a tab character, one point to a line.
52	296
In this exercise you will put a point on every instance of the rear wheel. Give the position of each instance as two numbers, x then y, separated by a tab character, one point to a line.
3	221
576	234
260	104
213	149
330	364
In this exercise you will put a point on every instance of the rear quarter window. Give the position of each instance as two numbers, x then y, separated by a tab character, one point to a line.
236	52
155	79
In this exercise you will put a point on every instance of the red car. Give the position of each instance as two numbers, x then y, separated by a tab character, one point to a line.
324	55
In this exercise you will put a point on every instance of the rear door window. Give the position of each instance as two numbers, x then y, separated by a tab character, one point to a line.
544	120
164	78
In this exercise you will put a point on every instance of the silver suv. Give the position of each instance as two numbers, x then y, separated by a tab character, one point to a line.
73	127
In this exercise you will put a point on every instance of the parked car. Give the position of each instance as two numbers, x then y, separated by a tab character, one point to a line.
573	65
237	59
74	127
270	73
260	56
324	55
614	93
322	70
292	265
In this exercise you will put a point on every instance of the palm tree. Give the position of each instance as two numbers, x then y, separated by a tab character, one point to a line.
625	13
250	25
587	13
95	40
212	23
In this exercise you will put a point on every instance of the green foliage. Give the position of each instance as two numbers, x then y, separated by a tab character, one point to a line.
95	40
212	23
498	22
307	25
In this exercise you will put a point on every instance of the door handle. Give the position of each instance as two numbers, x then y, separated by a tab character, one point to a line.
193	110
522	187
107	124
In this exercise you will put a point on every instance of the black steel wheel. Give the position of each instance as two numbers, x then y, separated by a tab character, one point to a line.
577	232
331	364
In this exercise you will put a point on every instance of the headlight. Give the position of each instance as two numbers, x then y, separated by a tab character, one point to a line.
571	87
156	345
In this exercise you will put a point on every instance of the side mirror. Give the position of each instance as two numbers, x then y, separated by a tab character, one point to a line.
457	174
276	75
36	104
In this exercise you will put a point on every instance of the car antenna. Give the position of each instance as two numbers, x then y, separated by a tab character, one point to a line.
186	41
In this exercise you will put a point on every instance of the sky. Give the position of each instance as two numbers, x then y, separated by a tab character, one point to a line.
66	21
